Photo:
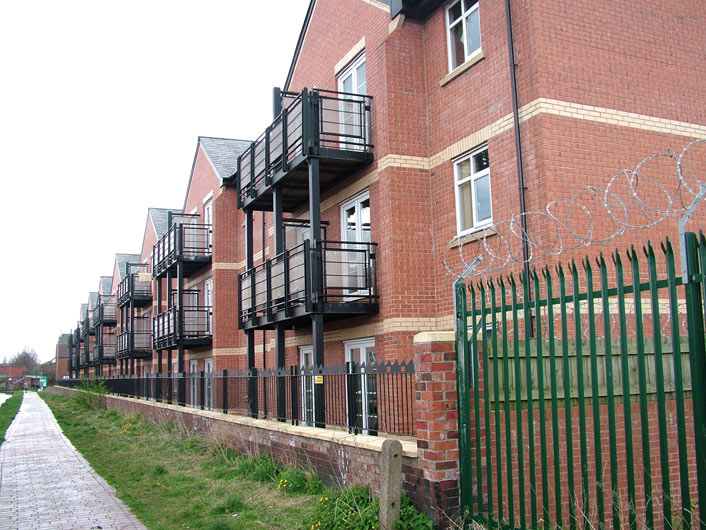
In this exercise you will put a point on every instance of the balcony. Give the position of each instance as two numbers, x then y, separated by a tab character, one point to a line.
279	290
186	242
331	126
87	325
78	336
108	348
189	326
106	313
136	343
136	286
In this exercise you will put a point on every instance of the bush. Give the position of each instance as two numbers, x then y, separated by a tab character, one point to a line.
354	508
90	395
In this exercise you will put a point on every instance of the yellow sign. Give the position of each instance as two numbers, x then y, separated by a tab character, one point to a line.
319	379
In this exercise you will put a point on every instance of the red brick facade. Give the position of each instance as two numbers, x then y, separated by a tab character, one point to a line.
600	87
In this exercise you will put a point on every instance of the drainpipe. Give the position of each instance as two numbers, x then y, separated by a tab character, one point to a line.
518	145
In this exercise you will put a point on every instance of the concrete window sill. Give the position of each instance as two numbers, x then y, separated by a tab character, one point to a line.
464	67
474	236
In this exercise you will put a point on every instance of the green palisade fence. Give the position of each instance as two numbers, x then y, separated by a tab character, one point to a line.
582	393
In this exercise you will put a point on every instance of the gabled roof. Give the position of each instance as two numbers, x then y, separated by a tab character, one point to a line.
106	285
92	299
300	41
159	218
122	260
222	153
84	310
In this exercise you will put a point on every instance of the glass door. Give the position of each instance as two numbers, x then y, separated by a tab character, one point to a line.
193	382
306	355
352	81
355	229
208	394
360	354
208	292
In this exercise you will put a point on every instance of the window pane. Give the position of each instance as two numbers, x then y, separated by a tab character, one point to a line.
463	169
360	74
365	221
483	206
473	32
468	4
351	224
348	84
455	12
480	161
457	53
465	203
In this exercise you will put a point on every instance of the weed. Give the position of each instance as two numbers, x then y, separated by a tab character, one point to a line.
296	481
260	467
91	394
233	504
159	470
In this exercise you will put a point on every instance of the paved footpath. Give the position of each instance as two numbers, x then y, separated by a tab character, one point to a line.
46	483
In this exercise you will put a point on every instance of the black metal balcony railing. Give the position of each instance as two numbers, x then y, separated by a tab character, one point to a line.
190	325
136	341
280	288
78	336
109	347
322	123
184	241
107	311
88	325
135	286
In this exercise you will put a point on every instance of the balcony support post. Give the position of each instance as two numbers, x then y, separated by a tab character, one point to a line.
279	244
317	330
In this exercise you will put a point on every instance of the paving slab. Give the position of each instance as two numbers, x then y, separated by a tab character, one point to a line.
46	483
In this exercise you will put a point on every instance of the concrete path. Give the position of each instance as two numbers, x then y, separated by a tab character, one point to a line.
46	483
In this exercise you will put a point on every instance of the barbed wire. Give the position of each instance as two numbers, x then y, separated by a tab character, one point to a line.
631	200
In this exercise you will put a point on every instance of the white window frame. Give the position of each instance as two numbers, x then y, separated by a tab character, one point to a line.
363	344
462	20
193	381
476	225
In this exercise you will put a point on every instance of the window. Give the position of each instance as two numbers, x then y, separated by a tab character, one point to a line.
208	221
360	355
463	26
473	200
208	302
208	365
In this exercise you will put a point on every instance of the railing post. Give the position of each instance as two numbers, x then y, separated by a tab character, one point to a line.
306	122
238	185
697	360
252	392
225	392
285	163
252	169
294	389
170	386
268	289
268	174
307	276
202	390
285	271
350	395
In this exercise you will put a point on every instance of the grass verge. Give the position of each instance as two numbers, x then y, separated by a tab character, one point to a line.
8	411
172	480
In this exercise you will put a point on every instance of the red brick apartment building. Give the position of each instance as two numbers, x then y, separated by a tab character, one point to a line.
61	361
402	135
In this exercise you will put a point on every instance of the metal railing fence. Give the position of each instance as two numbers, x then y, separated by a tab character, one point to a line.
370	399
581	394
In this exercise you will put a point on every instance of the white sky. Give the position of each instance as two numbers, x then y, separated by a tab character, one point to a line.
101	104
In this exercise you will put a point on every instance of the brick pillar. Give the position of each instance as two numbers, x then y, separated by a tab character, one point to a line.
436	423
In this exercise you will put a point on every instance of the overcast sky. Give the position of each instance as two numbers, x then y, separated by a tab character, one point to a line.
101	104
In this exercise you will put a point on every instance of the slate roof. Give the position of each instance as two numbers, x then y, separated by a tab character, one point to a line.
223	154
106	285
123	259
159	219
92	300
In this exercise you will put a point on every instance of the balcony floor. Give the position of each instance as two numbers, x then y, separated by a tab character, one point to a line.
192	264
334	164
298	316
